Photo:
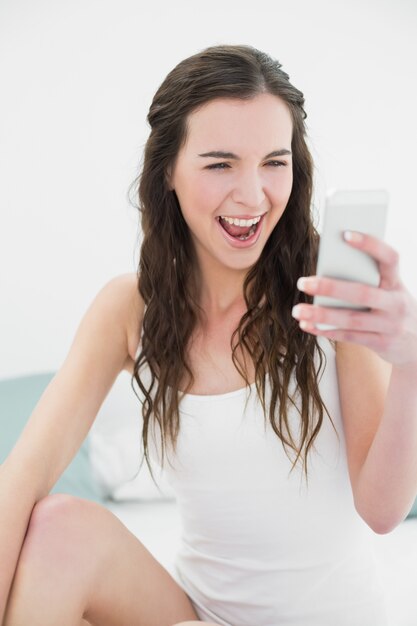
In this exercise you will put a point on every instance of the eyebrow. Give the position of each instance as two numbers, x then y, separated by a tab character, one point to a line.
220	154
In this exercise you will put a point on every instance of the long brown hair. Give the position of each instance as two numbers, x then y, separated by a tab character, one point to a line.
167	282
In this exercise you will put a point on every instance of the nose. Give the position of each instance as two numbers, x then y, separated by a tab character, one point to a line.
248	189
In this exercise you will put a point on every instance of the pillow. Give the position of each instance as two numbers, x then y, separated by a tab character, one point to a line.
116	449
18	398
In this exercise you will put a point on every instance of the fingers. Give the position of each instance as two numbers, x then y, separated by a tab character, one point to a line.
356	293
377	322
367	329
385	318
360	293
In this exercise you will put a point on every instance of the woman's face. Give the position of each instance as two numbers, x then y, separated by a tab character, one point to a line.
252	179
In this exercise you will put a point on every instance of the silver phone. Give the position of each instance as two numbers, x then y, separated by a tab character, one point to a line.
361	210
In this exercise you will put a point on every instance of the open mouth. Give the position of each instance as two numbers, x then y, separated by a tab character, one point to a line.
238	232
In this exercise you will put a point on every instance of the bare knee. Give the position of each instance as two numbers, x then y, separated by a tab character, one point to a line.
56	507
56	540
56	531
53	559
58	515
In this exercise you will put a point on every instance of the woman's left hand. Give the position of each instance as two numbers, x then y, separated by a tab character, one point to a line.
389	327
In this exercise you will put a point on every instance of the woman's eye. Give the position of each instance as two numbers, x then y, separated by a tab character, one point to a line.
217	166
278	163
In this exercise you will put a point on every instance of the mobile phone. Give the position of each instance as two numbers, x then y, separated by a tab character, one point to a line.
363	210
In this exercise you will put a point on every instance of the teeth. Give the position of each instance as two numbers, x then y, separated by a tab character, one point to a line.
239	222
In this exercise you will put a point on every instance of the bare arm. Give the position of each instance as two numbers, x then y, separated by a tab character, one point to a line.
377	374
64	415
17	500
387	482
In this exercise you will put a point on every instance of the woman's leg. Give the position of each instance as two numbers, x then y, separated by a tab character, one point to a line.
79	561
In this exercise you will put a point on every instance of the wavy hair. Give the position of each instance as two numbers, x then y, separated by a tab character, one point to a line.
167	282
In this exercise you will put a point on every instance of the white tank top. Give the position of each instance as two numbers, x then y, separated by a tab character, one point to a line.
258	548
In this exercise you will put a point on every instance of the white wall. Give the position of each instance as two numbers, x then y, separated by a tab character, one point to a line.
76	81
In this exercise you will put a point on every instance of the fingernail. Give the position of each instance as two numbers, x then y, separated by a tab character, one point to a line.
353	236
306	283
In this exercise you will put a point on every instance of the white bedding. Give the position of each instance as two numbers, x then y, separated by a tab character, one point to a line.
157	525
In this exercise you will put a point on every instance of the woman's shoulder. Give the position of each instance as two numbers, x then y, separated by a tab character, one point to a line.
126	293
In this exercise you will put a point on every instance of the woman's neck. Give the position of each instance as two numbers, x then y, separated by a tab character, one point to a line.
221	292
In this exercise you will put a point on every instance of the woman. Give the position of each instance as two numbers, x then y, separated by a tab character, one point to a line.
229	250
